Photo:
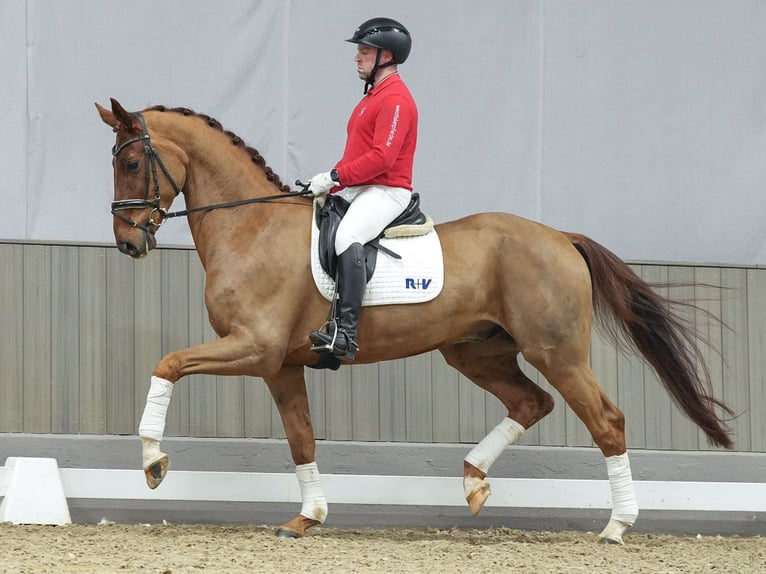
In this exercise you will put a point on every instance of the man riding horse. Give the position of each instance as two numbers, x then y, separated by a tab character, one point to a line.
375	173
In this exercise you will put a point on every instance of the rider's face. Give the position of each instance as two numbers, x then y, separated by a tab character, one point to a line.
365	59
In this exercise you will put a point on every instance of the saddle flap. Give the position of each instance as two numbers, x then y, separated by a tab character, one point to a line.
328	219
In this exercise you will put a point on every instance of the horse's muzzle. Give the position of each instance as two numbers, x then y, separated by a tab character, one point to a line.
137	249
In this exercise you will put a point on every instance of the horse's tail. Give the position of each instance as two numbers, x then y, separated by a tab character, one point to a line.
630	310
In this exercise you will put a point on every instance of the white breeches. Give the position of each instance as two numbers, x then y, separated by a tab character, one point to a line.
372	208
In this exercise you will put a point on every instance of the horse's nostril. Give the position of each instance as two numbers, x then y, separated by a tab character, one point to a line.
127	248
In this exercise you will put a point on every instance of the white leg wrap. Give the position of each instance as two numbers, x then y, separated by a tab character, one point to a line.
157	401
312	495
624	504
491	446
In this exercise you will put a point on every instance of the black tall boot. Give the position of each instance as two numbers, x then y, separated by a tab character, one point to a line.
352	280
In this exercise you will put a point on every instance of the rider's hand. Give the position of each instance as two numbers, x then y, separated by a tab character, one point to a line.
321	183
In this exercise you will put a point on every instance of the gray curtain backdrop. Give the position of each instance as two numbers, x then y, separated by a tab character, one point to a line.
641	124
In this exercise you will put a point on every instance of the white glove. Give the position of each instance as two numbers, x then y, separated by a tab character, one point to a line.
321	183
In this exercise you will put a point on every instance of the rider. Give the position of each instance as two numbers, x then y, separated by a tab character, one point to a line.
375	172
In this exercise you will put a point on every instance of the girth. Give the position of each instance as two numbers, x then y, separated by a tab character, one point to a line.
328	218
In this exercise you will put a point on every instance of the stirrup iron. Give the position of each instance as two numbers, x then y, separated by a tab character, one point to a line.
328	329
323	340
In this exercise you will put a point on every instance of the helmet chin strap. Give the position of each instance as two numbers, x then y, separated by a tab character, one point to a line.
370	81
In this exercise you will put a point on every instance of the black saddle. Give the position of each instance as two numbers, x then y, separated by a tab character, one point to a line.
328	218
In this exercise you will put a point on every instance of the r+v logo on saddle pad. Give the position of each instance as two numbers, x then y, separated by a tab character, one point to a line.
410	283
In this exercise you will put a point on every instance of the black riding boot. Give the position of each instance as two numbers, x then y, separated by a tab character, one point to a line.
352	280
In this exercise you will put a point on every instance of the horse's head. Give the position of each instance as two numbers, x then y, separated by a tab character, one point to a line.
148	175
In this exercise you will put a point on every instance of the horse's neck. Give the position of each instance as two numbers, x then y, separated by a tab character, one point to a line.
228	230
220	172
215	230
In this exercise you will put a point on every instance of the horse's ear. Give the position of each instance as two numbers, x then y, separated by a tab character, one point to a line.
118	118
108	117
125	117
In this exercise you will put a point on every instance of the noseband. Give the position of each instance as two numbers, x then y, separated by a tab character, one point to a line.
151	160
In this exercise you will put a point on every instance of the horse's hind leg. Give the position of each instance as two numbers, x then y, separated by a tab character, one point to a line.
569	372
493	366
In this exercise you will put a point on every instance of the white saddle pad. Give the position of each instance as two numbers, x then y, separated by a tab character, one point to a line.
415	278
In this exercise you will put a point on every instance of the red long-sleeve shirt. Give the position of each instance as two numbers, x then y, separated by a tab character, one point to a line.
381	140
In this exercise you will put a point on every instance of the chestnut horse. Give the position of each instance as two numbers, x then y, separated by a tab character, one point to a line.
511	286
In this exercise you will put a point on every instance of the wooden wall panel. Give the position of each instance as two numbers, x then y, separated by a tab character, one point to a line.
148	327
756	333
120	313
13	338
393	397
419	398
37	336
93	339
174	315
365	403
446	400
339	420
735	353
85	326
65	353
260	414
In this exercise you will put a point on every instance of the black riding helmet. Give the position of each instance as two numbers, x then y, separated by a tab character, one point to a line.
383	34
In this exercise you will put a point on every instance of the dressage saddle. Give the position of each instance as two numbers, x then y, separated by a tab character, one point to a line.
328	218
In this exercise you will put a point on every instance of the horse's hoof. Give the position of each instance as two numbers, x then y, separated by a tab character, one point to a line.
287	533
156	471
600	540
478	496
612	533
297	527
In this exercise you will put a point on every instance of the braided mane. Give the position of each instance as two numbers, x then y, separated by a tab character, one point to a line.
235	139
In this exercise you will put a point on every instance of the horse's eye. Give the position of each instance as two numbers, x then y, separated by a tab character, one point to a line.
132	166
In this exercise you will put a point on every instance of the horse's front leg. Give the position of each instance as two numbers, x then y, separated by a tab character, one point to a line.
151	429
288	388
230	355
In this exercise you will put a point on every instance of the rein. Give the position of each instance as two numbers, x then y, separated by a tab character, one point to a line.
152	159
268	198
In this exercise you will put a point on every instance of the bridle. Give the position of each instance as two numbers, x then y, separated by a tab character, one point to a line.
151	161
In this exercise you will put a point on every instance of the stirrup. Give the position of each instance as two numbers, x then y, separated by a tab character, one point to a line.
323	342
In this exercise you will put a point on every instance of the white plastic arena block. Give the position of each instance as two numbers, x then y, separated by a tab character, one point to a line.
33	492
